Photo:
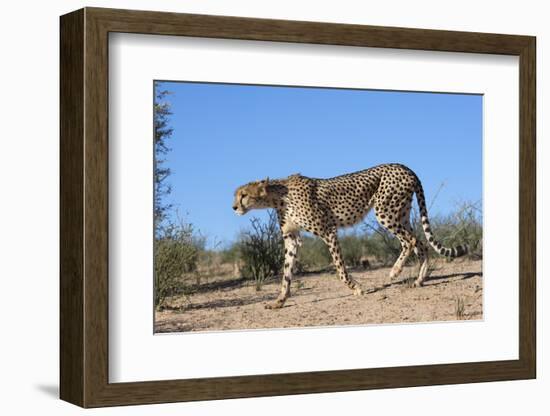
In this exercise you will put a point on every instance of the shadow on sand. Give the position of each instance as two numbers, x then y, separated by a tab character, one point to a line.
437	280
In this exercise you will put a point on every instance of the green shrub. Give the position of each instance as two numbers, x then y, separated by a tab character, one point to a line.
261	250
380	243
176	252
231	254
464	226
353	248
312	255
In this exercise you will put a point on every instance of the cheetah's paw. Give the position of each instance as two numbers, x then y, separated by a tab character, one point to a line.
278	304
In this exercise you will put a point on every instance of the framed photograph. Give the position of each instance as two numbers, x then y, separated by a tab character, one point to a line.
254	207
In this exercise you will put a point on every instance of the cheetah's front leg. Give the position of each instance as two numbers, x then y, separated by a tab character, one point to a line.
292	242
334	247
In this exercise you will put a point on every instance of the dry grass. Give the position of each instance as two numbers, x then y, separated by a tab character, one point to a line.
459	308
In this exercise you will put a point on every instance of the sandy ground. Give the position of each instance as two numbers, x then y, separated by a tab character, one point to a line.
321	300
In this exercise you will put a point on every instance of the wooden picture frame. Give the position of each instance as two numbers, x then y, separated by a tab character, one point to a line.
84	207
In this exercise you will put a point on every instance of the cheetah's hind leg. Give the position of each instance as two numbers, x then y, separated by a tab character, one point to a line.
406	250
400	230
422	254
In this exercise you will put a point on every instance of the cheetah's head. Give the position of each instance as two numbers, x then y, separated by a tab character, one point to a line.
250	196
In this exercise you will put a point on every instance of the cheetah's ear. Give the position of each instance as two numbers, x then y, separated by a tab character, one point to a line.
263	187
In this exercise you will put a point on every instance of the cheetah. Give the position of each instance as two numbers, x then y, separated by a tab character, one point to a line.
322	206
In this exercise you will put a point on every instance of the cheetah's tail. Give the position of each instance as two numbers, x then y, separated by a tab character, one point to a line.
452	252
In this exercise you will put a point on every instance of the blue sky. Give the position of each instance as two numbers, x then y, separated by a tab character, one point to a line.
227	135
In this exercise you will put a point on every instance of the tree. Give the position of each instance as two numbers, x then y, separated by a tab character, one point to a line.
162	132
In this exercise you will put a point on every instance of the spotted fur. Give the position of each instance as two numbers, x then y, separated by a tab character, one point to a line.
322	206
